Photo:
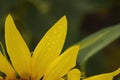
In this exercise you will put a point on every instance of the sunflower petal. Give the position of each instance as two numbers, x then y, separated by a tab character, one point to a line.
61	65
61	79
6	68
106	76
17	49
49	47
74	74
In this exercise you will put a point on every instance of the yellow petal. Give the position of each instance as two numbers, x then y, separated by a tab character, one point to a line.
17	48
105	76
6	68
61	79
74	74
1	78
49	47
61	65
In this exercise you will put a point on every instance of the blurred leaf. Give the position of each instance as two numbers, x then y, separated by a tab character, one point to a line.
92	5
95	42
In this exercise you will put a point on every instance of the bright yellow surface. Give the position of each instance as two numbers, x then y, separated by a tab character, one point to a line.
6	67
74	74
17	48
49	47
61	65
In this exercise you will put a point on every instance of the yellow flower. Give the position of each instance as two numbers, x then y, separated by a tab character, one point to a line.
46	63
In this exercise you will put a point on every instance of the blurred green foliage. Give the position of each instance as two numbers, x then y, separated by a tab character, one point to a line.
95	42
34	17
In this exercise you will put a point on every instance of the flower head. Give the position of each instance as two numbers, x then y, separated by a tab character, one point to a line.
46	62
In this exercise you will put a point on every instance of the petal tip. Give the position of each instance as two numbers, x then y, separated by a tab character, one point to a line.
77	46
64	17
64	20
8	16
117	71
8	20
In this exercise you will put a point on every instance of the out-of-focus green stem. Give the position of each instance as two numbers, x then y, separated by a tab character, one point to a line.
83	70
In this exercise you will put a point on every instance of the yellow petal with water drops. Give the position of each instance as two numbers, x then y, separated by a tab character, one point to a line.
105	76
61	65
49	47
74	74
6	68
17	48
